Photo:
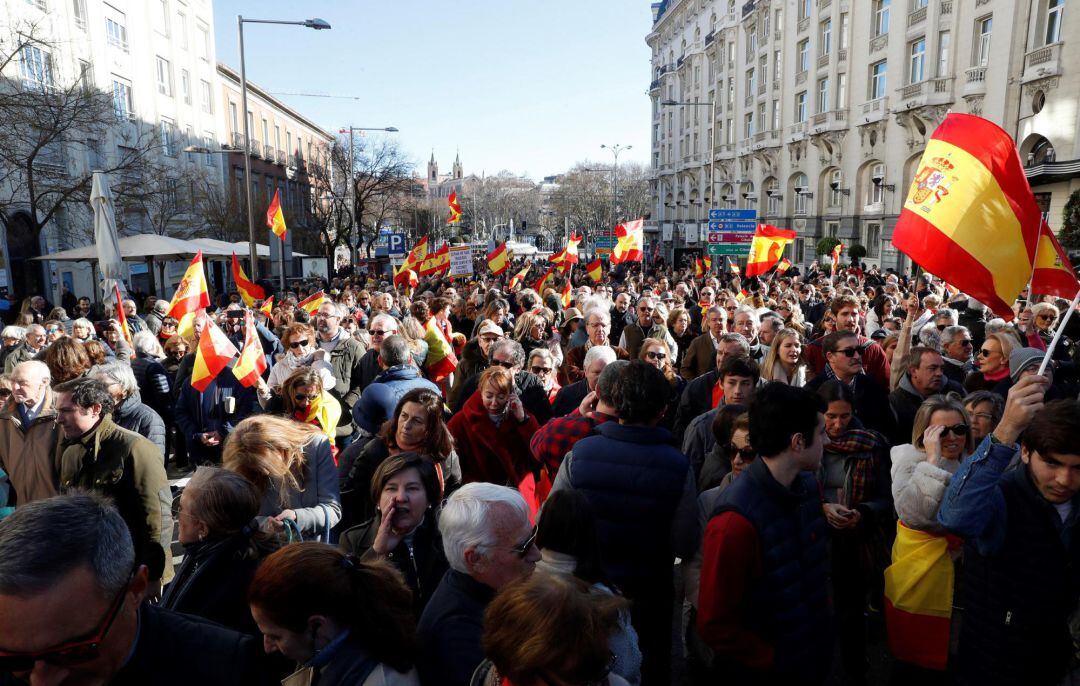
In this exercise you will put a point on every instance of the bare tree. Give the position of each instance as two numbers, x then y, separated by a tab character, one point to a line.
222	210
492	201
381	175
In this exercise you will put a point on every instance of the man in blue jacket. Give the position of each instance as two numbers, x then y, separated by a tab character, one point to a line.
399	376
1021	572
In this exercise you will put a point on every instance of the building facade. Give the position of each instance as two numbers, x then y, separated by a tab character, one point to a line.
815	113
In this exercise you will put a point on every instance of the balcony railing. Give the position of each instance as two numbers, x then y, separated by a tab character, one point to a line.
823	61
1042	62
280	157
824	3
709	38
917	16
929	92
841	55
761	88
879	42
655	85
803	25
800	78
796	131
749	102
946	7
875	110
268	152
975	81
829	121
256	147
238	141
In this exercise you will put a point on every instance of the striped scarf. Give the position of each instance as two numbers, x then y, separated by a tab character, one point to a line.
861	444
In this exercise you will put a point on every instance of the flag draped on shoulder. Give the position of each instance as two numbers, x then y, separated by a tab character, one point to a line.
212	354
325	411
252	362
249	292
918	598
630	242
595	270
440	361
970	217
455	208
191	294
1053	274
121	317
312	303
498	259
275	219
767	247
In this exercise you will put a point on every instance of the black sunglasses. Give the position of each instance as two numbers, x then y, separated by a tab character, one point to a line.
299	344
377	332
504	364
956	430
653	355
747	454
983	352
523	549
541	370
850	352
301	397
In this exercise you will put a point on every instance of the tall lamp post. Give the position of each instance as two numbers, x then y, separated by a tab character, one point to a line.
712	140
318	25
352	181
615	150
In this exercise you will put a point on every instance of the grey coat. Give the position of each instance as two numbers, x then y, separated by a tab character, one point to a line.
320	486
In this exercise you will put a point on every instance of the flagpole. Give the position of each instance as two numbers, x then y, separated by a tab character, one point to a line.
1057	334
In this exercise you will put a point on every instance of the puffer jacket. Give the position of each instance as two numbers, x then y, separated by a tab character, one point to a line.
918	487
135	415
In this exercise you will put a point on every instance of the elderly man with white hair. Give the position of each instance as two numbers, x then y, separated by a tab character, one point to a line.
29	437
569	397
597	329
33	343
12	337
130	412
489	543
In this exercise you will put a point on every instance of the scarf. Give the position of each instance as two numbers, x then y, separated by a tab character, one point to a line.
859	444
996	376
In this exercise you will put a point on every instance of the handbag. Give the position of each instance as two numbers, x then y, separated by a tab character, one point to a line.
294	535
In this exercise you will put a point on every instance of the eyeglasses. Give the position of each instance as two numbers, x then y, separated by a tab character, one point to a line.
965	342
850	352
299	344
942	327
654	355
956	430
505	364
5	392
378	332
1041	318
302	397
72	652
746	454
541	370
645	309
523	549
54	329
983	352
324	315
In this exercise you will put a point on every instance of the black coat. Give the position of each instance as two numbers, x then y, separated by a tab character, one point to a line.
135	415
153	382
450	630
569	398
696	399
871	406
363	459
905	405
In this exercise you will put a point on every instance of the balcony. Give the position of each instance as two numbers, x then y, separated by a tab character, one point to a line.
744	146
823	61
833	120
725	151
916	17
803	25
680	62
879	42
766	139
654	86
280	157
238	141
268	153
749	102
1042	62
875	110
796	132
709	38
800	78
778	35
776	84
929	92
256	148
975	81
946	7
841	55
761	88
822	4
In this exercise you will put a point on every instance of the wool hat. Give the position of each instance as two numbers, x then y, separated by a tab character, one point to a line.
1021	359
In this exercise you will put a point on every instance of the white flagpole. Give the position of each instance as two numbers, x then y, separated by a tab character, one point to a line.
1057	333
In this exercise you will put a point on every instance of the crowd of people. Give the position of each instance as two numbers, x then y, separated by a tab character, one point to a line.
763	481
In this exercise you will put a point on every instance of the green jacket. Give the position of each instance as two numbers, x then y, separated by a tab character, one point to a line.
126	467
345	360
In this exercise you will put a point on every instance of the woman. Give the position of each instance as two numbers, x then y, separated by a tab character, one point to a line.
496	311
150	374
54	331
301	350
82	329
304	399
923	556
67	360
345	621
492	433
571	320
416	426
826	326
222	548
991	362
167	330
854	476
784	362
732	452
405	529
530	331
175	349
543	365
656	352
678	324
550	629
474	358
413	332
292	469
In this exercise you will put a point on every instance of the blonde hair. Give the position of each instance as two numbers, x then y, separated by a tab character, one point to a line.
265	449
499	378
936	403
773	357
1006	341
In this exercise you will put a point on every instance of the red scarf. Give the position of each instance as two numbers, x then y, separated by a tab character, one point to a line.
717	393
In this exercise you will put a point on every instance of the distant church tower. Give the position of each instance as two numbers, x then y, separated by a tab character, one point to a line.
433	169
457	167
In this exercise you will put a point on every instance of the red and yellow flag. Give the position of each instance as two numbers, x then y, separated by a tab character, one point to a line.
630	245
699	268
767	247
252	362
212	354
1053	273
417	255
559	257
121	317
429	265
970	217
595	270
312	303
707	260
516	278
267	306
572	248
191	293
837	249
440	361
783	266
732	266
567	294
918	598
455	208
275	219
325	411
405	277
498	260
249	292
543	282
442	259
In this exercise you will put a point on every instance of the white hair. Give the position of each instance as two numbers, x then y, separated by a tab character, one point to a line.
599	352
747	310
384	318
147	343
997	325
34	368
468	519
12	331
947	313
601	307
115	373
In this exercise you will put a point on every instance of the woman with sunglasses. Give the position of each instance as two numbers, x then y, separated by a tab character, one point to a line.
991	362
657	353
303	398
301	350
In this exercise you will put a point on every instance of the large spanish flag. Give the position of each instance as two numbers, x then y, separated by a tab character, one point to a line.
970	217
455	208
1053	273
248	290
405	277
312	303
275	219
595	270
417	255
429	265
252	362
630	245
191	293
212	354
918	598
544	280
767	248
516	278
498	260
267	307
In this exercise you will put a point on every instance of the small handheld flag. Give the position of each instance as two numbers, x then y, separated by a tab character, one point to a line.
212	354
312	303
248	290
252	362
455	208
498	260
595	270
191	292
516	278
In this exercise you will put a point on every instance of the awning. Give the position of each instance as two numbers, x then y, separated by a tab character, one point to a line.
139	248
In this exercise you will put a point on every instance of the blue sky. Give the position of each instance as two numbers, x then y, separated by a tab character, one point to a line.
522	85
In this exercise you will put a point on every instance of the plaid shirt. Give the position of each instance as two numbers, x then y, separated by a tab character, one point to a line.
555	439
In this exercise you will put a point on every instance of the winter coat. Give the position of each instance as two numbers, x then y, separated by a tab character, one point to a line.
134	415
533	396
696	399
906	400
573	366
700	357
918	487
319	487
289	363
348	664
496	454
569	398
203	412
31	454
345	361
472	362
871	405
450	630
379	400
153	383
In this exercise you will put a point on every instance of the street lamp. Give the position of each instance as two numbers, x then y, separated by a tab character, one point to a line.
318	25
712	138
352	181
615	149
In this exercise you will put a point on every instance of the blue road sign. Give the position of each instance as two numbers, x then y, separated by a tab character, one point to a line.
605	241
396	245
718	214
733	226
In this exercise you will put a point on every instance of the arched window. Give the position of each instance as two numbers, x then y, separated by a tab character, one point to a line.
772	192
836	179
801	194
875	184
748	195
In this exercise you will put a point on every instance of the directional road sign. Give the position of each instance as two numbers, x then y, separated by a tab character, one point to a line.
731	249
745	215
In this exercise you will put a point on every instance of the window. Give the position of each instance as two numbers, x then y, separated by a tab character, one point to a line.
843	37
841	91
181	30
731	52
800	187
751	44
730	131
918	4
94	159
825	37
748	125
234	117
762	116
207	97
185	85
878	72
876	191
873	239
983	28
164	76
265	132
208	143
944	37
169	142
122	101
36	67
775	115
78	10
1054	11
288	141
803	59
730	91
750	81
776	66
161	16
86	76
836	180
917	60
772	191
881	17
832	228
800	106
804	8
204	42
823	95
116	30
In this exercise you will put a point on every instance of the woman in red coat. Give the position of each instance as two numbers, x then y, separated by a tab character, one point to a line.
491	434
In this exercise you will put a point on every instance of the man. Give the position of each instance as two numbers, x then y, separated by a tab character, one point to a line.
771	324
569	397
843	361
738	377
156	316
134	321
70	575
399	376
345	353
509	354
644	498
701	394
747	324
489	543
29	437
554	440
1020	579
956	348
474	358
33	343
597	326
381	326
764	598
925	377
701	353
208	417
129	411
634	334
845	309
619	317
99	456
12	337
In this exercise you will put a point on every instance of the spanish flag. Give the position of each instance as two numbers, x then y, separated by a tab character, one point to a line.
516	278
708	263
417	255
783	266
1053	273
191	293
558	258
312	303
442	259
405	277
324	411
267	306
498	260
970	217
595	270
699	268
567	294
455	208
733	266
248	291
837	249
252	362
440	361
121	317
631	242
571	251
766	249
543	282
428	266
275	219
212	354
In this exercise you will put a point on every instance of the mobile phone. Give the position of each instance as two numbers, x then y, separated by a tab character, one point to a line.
235	314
